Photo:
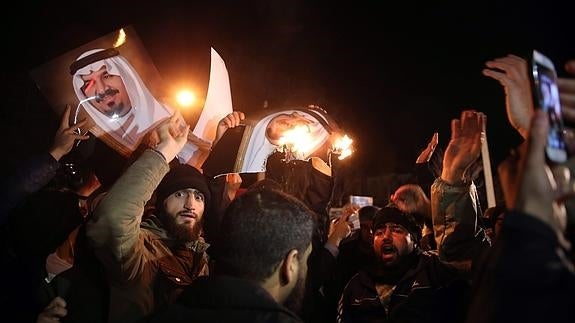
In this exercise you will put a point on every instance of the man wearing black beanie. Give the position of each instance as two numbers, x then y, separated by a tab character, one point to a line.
149	262
405	284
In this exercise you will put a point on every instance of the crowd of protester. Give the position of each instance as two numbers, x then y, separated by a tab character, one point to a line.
162	242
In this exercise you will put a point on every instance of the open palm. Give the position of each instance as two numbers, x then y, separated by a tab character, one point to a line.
465	145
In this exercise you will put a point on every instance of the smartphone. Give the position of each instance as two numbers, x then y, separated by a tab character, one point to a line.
354	221
335	212
361	201
546	95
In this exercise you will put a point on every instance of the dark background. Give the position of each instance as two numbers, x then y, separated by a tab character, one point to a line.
391	73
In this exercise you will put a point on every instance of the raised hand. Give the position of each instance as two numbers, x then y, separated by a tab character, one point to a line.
340	228
513	74
426	154
233	184
171	137
410	198
232	120
66	135
464	147
527	181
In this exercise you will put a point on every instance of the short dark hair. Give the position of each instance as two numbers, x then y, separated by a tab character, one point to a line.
258	229
367	213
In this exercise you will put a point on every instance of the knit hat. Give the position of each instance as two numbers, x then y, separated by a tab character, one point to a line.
181	177
394	215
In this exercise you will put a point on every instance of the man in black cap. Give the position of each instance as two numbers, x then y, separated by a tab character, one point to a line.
405	284
149	262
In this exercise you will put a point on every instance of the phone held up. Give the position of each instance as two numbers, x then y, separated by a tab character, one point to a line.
360	201
546	93
353	219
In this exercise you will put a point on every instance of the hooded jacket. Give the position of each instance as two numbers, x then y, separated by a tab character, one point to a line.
145	268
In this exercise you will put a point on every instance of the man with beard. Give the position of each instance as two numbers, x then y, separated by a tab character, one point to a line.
117	99
405	283
260	264
149	262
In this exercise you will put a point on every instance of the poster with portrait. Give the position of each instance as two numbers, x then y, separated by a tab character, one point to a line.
112	82
300	133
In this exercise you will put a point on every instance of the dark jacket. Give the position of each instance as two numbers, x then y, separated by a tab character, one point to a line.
316	305
225	299
430	291
526	276
30	177
84	286
36	228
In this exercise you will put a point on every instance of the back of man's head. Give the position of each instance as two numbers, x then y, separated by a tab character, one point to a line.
367	213
259	229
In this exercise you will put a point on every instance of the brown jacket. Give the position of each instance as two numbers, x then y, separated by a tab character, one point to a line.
145	270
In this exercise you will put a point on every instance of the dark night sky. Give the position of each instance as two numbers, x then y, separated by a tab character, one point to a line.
390	75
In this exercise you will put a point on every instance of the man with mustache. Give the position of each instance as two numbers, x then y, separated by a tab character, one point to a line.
149	261
117	99
405	283
260	264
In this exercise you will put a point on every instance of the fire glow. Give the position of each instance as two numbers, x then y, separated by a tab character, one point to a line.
342	147
297	139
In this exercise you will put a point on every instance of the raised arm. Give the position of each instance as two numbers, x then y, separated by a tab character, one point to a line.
513	74
66	136
232	120
114	229
38	171
529	258
453	200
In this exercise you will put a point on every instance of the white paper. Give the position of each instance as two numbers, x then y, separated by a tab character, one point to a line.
218	99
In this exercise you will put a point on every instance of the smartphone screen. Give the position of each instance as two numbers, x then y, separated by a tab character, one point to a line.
547	94
361	201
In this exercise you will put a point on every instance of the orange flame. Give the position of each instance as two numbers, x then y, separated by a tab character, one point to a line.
297	139
342	147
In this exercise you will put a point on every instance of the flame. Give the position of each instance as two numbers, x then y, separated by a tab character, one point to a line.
121	38
297	139
342	147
